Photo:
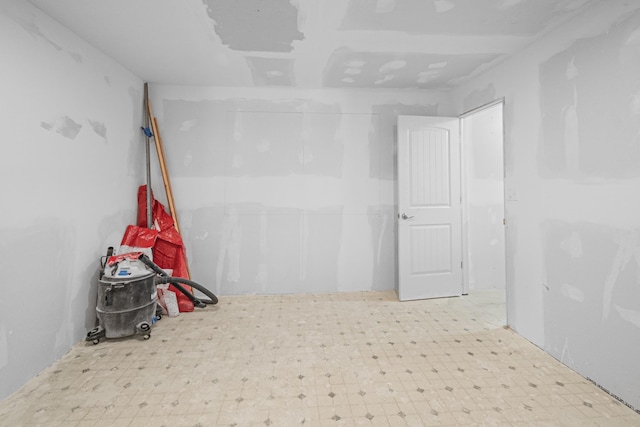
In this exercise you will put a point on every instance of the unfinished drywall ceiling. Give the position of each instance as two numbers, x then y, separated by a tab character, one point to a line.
241	25
474	17
420	44
347	68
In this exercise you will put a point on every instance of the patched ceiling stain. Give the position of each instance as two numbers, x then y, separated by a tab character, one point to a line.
398	44
271	71
480	17
443	5
76	57
396	64
509	3
255	25
385	6
391	70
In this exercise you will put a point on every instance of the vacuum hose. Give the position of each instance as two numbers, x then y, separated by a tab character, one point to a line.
178	281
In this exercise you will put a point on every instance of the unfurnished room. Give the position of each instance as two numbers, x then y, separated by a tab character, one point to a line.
320	213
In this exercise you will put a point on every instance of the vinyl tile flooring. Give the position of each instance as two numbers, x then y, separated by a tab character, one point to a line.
344	359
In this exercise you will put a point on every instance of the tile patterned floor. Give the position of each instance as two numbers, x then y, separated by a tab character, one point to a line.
318	360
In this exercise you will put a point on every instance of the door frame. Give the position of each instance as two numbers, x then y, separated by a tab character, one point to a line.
464	172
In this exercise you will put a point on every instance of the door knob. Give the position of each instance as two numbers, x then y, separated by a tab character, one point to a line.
404	216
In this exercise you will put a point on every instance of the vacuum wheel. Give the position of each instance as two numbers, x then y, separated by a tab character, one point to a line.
95	334
145	329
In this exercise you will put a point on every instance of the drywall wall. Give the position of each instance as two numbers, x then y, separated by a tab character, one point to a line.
72	158
483	200
286	191
572	183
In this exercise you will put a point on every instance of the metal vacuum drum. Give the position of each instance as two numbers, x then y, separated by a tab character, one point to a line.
127	299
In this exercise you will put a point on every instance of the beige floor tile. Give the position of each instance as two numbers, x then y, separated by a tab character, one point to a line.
349	359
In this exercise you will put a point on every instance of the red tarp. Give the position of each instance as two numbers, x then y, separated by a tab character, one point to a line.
163	239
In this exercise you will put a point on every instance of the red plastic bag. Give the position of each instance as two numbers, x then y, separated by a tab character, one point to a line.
168	248
161	219
139	237
169	251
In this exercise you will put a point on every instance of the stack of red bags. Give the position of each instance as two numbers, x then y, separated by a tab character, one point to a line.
164	240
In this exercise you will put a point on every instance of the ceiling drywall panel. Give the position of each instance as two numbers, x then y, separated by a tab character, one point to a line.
391	70
474	17
241	25
310	44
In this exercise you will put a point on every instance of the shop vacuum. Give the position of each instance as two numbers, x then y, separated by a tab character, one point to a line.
128	298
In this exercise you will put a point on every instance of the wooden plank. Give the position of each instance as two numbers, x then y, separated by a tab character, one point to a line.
165	174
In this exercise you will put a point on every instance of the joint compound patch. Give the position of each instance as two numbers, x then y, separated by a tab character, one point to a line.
630	316
572	245
277	18
187	125
64	126
4	347
572	292
99	128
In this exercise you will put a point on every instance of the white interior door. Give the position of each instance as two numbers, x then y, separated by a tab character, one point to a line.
429	207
